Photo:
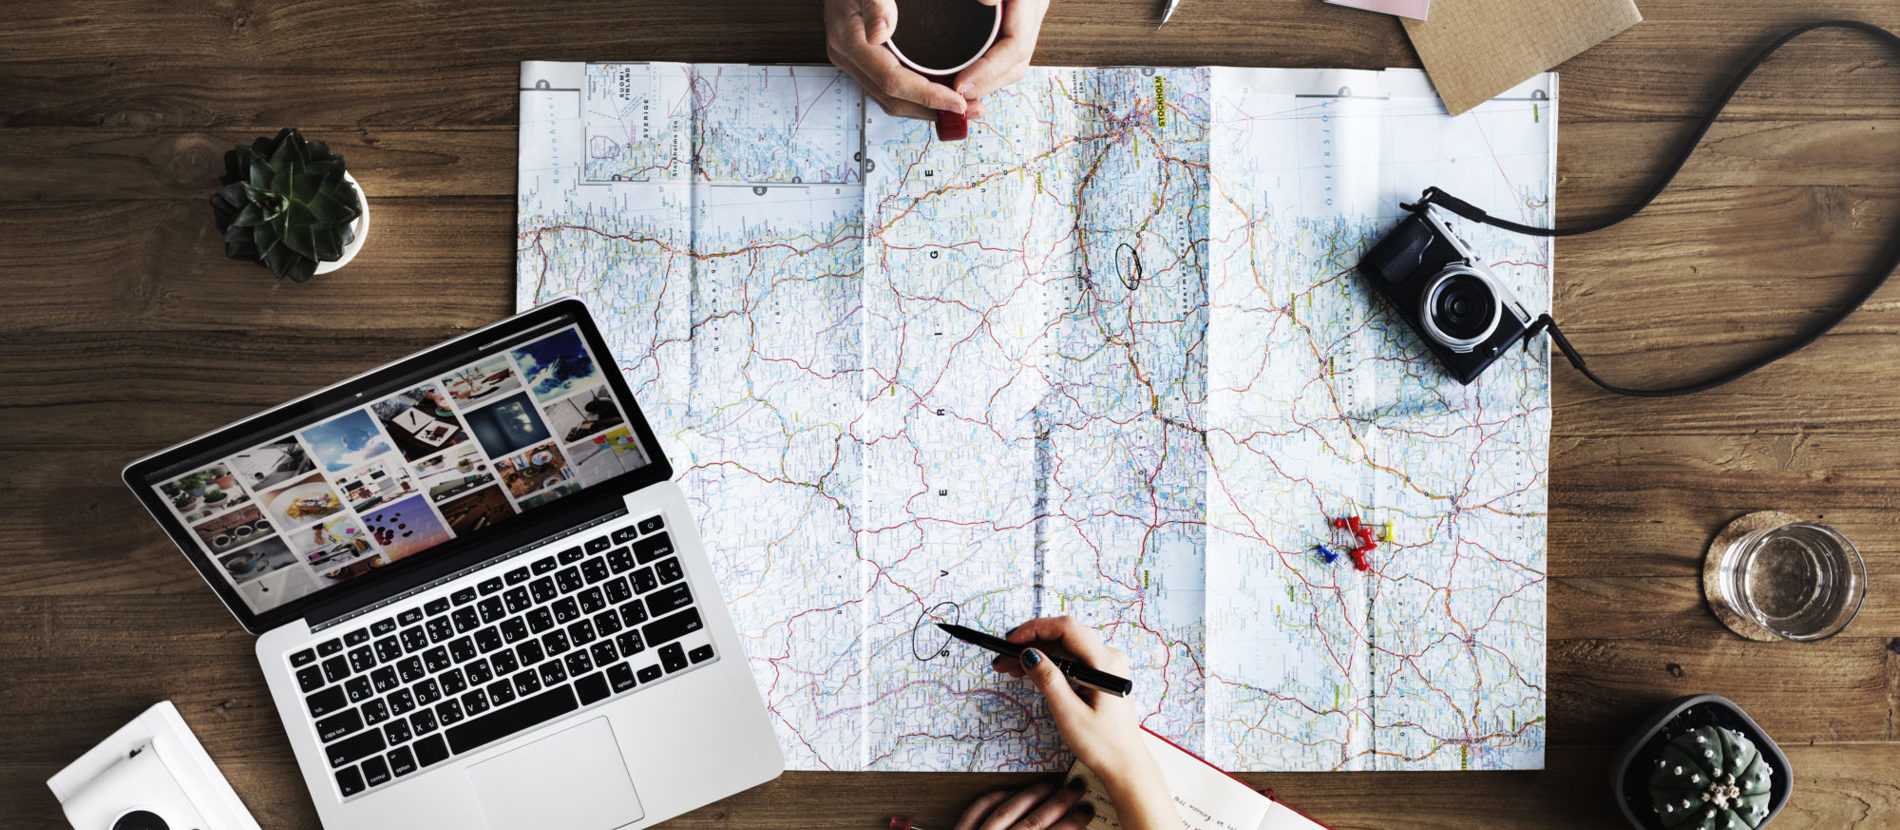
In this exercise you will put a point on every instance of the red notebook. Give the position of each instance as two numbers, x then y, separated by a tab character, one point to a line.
1205	795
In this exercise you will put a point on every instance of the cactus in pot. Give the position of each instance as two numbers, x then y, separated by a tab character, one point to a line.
1711	778
287	204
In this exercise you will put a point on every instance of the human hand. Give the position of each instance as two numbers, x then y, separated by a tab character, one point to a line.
855	34
1101	729
1007	61
1041	807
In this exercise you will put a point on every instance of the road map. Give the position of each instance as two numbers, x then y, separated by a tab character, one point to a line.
1105	358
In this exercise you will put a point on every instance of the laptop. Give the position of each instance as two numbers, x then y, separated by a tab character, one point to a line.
481	600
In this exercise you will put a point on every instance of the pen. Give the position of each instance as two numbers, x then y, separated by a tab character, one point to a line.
1077	672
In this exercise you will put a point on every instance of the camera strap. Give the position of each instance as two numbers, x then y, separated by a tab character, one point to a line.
1433	196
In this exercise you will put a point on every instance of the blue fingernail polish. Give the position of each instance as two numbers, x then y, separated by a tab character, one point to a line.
1032	658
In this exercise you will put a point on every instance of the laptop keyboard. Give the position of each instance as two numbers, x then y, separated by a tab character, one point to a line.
557	632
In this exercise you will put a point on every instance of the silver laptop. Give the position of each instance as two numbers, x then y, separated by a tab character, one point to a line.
482	601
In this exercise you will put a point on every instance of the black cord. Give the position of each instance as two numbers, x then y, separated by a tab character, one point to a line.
1434	196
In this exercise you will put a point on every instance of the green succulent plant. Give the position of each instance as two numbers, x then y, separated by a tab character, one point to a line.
1711	778
285	205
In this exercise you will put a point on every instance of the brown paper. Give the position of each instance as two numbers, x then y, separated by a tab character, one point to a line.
1476	49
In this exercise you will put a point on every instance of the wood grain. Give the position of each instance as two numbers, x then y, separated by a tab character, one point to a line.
124	329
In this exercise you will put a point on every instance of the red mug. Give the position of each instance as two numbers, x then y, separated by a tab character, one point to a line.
951	126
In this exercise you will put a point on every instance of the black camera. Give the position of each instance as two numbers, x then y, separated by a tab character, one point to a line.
1466	317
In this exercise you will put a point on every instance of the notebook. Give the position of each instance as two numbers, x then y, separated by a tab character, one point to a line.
1415	9
1206	796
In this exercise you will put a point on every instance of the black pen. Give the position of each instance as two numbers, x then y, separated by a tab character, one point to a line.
1078	673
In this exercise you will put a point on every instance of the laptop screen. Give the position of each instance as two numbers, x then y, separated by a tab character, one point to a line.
368	475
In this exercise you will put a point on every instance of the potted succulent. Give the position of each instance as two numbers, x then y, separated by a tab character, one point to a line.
1700	764
290	206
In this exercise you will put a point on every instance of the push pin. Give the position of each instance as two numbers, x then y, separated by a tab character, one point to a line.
1327	554
903	824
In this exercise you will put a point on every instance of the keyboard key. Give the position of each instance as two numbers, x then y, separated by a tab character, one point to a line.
591	688
463	597
669	599
594	545
436	659
402	762
303	658
329	647
620	559
672	657
465	620
410	617
669	570
568	580
309	679
375	771
629	643
607	623
555	642
388	649
501	692
513	630
565	611
462	649
581	633
524	714
625	534
652	524
357	688
504	663
552	673
604	653
475	702
621	676
517	600
381	627
617	591
518	575
701	654
431	750
652	547
410	669
543	589
440	629
491	609
530	652
414	640
349	782
452	682
668	629
489	585
335	669
327	701
375	712
591	600
427	692
449	713
527	683
644	581
361	659
436	606
633	613
578	663
384	678
649	674
540	619
401	701
357	637
337	726
544	565
396	732
478	673
594	570
488	639
423	722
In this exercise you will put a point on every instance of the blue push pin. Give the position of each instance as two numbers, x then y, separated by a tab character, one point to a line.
1327	554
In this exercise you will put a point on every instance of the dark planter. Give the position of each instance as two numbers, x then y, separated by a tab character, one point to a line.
1629	780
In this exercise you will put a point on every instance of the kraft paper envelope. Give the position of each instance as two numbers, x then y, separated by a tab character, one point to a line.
1475	49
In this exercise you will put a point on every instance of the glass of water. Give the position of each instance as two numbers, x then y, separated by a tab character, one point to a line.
1801	581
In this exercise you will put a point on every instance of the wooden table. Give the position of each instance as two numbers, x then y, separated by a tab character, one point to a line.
124	329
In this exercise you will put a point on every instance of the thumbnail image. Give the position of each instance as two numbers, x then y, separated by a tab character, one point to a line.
277	587
405	528
259	559
345	441
308	499
331	543
378	482
556	365
608	455
204	493
549	495
419	421
579	416
533	469
454	472
264	467
507	425
235	529
476	510
484	381
352	570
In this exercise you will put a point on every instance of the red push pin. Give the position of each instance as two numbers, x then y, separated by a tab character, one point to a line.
903	824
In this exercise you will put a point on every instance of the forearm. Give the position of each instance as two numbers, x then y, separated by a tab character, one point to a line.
1141	796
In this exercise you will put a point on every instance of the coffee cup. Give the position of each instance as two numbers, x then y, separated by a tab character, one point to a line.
939	38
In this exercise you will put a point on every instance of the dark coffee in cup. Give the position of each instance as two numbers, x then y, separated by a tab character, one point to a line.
941	36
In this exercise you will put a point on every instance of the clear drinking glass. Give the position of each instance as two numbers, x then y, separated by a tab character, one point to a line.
1802	581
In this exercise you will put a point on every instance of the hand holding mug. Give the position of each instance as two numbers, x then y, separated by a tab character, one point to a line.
951	55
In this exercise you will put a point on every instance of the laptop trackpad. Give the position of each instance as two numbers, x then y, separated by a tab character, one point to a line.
572	779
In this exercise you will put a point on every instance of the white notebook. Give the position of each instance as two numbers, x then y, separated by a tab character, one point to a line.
1205	795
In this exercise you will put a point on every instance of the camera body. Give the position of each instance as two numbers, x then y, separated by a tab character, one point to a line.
1465	315
152	774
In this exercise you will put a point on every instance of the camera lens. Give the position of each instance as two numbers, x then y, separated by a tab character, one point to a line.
140	820
1460	309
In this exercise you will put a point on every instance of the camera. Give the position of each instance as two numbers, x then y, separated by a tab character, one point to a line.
152	774
1466	317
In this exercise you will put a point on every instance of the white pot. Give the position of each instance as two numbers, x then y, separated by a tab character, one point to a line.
361	228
